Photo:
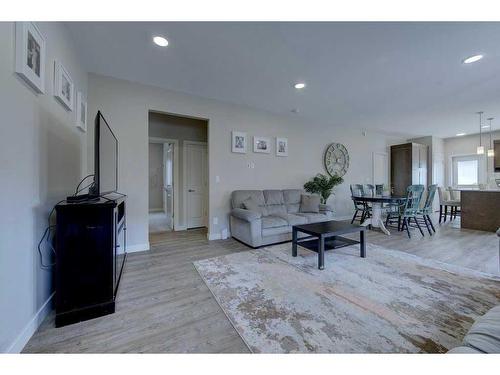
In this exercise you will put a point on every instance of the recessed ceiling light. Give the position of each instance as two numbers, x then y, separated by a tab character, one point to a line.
299	85
160	41
471	59
460	134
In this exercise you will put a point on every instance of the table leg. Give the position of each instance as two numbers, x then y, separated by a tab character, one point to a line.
294	242
321	253
362	244
376	219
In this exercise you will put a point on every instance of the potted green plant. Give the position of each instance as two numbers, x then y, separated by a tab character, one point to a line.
323	185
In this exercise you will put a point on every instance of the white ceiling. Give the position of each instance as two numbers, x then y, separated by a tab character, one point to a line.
397	77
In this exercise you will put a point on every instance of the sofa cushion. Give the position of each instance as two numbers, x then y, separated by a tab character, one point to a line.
293	219
309	203
273	197
463	350
238	196
273	222
292	200
276	231
484	335
274	202
312	217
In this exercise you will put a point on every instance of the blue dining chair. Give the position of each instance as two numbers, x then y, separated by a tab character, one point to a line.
411	208
423	214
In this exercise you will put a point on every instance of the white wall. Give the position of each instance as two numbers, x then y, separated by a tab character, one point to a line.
126	106
42	157
181	129
467	145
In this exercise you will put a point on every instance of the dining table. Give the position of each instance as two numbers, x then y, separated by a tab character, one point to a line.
377	202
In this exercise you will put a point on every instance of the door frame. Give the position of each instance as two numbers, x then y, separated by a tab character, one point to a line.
184	182
175	224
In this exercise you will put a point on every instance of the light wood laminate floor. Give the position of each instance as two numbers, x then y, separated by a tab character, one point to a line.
164	306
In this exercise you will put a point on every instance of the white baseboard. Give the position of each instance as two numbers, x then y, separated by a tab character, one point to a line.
138	248
30	328
216	236
180	227
156	210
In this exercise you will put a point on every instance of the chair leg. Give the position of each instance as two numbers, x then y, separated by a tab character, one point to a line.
430	222
427	225
445	212
418	225
405	224
354	216
399	224
440	212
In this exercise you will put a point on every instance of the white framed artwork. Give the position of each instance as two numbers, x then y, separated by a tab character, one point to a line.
81	112
261	145
239	142
30	55
281	146
63	86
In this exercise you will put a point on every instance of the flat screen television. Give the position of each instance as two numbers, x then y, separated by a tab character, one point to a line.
105	158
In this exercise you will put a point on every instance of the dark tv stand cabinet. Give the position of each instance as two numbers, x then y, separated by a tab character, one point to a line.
91	253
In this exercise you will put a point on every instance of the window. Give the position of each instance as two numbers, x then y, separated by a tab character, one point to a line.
466	170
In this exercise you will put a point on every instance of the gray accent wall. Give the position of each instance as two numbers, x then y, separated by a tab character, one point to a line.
42	158
126	105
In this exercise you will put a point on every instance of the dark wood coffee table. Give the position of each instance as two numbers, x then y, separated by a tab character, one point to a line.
326	236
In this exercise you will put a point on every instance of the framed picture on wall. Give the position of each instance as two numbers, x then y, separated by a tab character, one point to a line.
81	111
239	142
281	146
262	145
63	86
30	55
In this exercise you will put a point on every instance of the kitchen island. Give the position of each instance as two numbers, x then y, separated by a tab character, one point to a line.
480	209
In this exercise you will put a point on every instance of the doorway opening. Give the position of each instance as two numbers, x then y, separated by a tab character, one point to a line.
162	157
178	173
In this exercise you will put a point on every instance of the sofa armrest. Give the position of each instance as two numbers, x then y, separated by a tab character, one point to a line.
325	207
246	215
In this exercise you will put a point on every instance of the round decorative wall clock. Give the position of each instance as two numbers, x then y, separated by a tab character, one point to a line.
336	159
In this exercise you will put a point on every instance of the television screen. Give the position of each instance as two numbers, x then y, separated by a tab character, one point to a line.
106	157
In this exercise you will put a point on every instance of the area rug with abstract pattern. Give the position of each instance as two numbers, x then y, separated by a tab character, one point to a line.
389	302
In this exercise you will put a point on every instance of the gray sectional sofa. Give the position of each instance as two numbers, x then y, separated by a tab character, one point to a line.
483	336
272	221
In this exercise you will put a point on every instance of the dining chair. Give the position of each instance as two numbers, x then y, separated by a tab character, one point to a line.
424	213
370	189
454	202
360	206
444	202
411	208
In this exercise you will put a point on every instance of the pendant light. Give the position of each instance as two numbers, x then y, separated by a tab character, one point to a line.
491	152
480	148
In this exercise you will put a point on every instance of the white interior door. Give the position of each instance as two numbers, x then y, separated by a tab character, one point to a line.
380	168
196	184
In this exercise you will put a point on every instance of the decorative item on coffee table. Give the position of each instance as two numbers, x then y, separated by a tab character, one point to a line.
323	185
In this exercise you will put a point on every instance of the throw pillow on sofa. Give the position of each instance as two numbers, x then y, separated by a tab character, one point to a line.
309	203
251	204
